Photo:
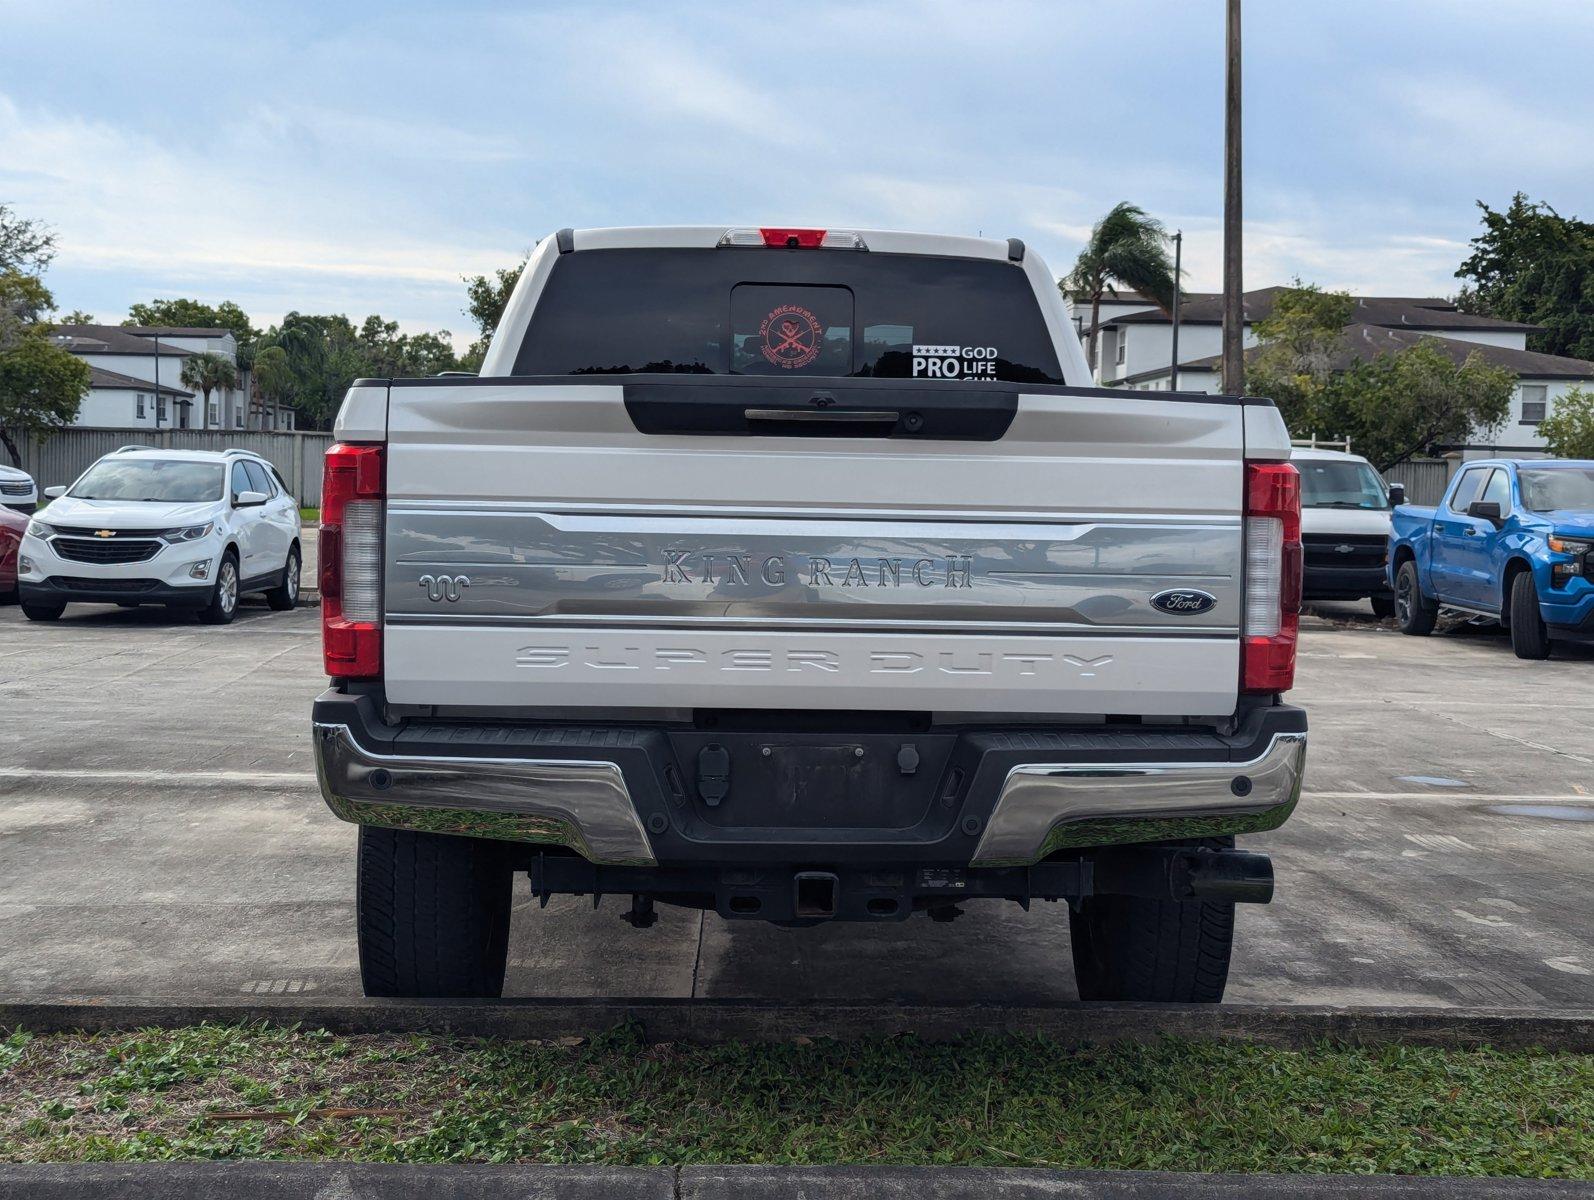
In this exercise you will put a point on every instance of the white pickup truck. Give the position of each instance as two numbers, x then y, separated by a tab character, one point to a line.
800	575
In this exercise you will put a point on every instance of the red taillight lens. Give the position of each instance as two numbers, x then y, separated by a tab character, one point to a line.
806	239
1271	618
350	566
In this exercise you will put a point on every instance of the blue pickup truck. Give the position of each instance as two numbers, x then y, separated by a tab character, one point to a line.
1512	540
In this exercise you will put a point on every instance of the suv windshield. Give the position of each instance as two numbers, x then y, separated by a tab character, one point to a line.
1559	489
1336	484
149	479
788	313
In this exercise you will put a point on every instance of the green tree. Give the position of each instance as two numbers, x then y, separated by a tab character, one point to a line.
1532	264
209	373
27	245
77	317
1391	407
486	297
1399	405
391	354
274	380
1569	430
41	389
23	302
41	384
1127	249
1293	364
195	314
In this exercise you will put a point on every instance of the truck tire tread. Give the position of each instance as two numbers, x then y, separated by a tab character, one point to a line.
1529	637
433	914
1415	612
1135	948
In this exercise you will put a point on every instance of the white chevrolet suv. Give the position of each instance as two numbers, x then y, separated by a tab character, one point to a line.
184	528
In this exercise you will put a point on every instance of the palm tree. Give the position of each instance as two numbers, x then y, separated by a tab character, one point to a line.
1127	249
208	372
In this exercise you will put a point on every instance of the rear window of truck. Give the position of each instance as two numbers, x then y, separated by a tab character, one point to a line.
788	313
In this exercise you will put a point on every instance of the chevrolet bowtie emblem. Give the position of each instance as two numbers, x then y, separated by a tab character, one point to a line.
105	533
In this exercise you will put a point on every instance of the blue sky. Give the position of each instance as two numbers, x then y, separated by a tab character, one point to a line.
361	158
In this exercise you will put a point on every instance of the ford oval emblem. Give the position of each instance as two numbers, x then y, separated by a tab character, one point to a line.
1183	601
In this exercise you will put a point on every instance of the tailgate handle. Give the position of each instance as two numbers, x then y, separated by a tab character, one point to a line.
825	415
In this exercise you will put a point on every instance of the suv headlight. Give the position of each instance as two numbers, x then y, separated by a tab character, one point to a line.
188	533
1566	545
37	528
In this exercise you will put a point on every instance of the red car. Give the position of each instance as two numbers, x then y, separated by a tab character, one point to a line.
12	523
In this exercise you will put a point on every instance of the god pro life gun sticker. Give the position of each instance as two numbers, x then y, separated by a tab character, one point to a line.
954	362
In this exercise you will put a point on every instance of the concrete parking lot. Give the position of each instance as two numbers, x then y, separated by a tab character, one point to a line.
161	835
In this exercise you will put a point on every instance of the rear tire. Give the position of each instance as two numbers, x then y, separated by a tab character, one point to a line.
1415	612
286	594
1529	637
42	612
223	606
1167	951
1383	607
433	914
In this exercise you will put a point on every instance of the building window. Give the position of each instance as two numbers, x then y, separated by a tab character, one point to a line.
160	409
1533	402
1121	340
140	409
213	416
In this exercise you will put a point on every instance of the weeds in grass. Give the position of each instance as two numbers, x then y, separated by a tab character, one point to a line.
988	1099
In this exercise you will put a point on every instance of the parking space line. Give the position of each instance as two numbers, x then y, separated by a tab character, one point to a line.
91	775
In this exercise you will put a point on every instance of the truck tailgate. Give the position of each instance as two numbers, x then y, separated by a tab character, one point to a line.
542	551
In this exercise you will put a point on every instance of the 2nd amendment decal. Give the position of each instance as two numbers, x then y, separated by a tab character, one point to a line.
954	362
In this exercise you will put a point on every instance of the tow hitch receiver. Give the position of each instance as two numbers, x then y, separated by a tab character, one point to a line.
814	893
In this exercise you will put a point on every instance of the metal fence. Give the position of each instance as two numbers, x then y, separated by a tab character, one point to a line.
62	458
1425	479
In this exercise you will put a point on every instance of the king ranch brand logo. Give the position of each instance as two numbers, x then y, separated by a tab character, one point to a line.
954	362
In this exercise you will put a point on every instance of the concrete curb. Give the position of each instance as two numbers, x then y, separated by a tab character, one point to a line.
374	1181
750	1020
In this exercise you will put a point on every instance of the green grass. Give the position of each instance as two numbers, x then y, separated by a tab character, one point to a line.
988	1100
310	516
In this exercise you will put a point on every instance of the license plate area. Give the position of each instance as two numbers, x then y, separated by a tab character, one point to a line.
822	781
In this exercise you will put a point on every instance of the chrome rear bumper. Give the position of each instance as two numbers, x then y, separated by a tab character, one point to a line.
581	804
628	796
1047	807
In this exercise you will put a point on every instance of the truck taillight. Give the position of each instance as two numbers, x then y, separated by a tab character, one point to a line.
1271	621
350	564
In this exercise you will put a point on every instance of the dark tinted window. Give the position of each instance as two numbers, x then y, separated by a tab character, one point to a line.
259	481
717	311
240	480
1498	489
1467	490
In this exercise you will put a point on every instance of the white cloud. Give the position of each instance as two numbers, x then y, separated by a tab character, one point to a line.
1487	126
181	217
371	135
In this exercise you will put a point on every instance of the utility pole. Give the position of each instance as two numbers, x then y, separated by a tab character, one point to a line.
157	382
1233	283
1178	274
